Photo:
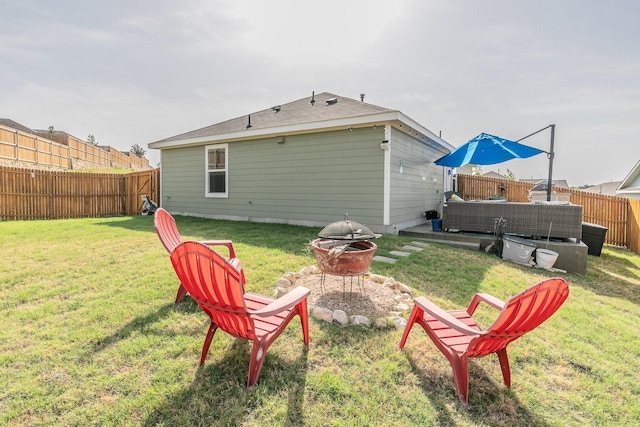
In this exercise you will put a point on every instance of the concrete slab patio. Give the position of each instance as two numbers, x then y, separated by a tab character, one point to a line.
572	256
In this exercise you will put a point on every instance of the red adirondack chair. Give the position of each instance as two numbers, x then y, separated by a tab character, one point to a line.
458	336
170	237
217	286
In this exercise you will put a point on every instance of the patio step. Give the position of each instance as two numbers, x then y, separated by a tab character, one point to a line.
572	256
425	233
475	246
459	240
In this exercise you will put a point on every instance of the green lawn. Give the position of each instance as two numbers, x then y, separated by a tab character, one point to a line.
90	336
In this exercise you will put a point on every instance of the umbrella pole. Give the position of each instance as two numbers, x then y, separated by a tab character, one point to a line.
550	156
550	181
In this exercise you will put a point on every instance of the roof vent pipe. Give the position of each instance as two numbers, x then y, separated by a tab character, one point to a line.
362	97
249	124
313	98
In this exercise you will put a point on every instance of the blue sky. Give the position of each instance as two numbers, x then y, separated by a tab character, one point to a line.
133	72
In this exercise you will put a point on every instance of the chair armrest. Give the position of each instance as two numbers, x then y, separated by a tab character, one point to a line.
227	243
494	302
287	301
444	317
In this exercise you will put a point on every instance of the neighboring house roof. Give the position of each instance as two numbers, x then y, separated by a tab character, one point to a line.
631	183
321	111
493	174
606	188
562	183
15	125
46	132
465	170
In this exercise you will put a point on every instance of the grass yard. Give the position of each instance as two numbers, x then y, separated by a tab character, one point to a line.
90	336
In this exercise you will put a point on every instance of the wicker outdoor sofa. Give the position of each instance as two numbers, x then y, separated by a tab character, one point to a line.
538	219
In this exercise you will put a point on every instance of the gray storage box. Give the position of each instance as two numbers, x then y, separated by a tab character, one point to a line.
517	249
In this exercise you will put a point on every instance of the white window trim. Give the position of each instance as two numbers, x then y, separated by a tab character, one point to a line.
226	171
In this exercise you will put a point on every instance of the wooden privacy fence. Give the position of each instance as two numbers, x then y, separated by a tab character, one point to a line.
59	150
633	226
41	194
619	215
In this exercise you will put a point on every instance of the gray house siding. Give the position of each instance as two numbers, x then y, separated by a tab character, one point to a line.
182	178
309	179
631	191
308	162
413	189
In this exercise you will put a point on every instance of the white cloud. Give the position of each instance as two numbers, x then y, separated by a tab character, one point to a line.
135	72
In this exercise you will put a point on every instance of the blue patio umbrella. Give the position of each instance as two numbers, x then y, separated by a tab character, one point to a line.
487	149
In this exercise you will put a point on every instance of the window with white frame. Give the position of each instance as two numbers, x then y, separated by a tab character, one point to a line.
216	167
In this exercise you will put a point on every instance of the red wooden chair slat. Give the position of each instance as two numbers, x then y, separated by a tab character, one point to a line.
218	288
458	337
170	238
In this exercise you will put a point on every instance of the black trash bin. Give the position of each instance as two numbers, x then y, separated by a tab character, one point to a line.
593	236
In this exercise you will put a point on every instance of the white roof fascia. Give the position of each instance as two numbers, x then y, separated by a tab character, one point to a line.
347	122
422	130
633	174
632	190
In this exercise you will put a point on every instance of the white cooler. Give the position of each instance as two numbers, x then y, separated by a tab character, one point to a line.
517	249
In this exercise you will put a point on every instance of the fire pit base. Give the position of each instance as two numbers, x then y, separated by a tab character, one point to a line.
355	261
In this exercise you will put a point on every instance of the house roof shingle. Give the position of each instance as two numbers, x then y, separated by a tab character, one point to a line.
327	112
293	113
15	125
606	188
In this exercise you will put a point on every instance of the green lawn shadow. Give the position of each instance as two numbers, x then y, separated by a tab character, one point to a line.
218	394
619	279
490	402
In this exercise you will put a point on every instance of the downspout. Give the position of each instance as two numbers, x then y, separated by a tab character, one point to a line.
386	147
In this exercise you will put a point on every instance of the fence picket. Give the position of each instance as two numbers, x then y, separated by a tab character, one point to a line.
633	226
42	194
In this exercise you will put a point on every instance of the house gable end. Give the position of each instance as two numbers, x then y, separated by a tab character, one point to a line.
631	183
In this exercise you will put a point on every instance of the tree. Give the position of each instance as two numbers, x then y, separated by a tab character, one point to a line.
138	150
52	130
510	176
476	170
91	140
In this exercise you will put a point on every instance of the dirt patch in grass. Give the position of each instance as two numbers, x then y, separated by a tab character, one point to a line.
353	295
